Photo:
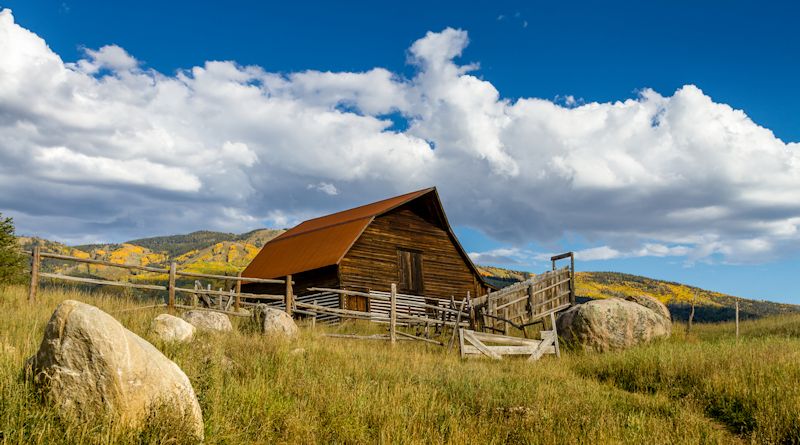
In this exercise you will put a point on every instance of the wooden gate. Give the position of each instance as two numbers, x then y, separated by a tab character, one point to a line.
494	346
527	302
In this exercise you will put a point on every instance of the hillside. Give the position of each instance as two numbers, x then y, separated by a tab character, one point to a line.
709	305
228	253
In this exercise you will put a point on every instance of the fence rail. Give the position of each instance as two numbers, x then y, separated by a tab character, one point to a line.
234	295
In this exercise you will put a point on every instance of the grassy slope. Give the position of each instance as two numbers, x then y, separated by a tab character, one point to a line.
702	388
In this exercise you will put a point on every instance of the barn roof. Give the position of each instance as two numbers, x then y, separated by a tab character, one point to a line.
324	241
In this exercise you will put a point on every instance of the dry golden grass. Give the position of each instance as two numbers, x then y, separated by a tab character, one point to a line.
703	389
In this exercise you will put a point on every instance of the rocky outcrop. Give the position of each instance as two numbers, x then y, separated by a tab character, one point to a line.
90	367
275	322
613	323
169	328
208	320
651	303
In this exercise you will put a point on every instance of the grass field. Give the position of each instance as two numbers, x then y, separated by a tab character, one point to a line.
706	387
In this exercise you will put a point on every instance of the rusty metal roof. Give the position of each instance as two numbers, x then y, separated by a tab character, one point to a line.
324	241
320	242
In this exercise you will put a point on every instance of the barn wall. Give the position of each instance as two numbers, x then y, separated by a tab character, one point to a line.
372	261
322	277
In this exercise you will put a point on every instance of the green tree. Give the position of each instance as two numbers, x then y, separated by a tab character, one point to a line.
12	262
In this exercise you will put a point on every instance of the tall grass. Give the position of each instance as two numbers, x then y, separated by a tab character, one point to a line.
704	389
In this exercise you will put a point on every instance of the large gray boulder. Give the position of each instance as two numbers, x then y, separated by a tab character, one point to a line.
208	320
609	324
90	367
651	303
275	322
169	329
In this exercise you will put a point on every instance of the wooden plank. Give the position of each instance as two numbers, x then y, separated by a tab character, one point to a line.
152	306
228	277
171	288
393	314
503	350
555	334
341	312
289	296
243	294
238	302
102	263
481	347
458	322
461	342
36	260
427	340
547	342
344	292
236	314
503	339
103	282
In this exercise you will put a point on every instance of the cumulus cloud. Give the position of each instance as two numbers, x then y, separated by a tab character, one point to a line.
507	256
105	148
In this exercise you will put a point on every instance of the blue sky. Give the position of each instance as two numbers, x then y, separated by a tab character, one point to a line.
543	72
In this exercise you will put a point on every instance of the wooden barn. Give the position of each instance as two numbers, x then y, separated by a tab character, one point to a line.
404	240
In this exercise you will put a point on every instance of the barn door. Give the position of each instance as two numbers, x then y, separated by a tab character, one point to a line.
357	303
409	266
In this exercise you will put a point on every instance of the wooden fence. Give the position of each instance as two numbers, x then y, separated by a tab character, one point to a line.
518	305
225	299
528	302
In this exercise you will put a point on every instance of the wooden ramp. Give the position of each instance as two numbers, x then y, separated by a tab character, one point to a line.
494	346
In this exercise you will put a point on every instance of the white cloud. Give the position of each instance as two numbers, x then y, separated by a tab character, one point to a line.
324	187
105	147
505	256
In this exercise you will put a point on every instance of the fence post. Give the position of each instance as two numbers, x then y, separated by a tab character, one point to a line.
171	290
289	296
393	314
314	319
35	260
238	299
737	318
571	278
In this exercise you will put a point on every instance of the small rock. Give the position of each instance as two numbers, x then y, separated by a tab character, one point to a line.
297	351
90	367
208	320
276	323
169	328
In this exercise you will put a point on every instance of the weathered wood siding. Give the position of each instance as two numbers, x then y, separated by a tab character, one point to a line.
372	262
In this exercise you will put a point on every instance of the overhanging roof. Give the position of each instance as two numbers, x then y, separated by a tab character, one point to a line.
324	241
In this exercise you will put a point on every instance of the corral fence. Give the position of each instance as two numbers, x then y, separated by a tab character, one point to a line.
227	301
528	302
518	305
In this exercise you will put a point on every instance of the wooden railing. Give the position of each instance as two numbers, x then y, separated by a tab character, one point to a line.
171	287
530	301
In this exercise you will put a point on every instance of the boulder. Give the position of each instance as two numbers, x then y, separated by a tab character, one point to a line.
90	367
169	328
612	323
651	303
208	320
276	323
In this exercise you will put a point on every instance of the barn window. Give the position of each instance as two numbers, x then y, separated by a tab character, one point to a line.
409	264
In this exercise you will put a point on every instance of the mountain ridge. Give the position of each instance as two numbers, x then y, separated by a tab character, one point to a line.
225	253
